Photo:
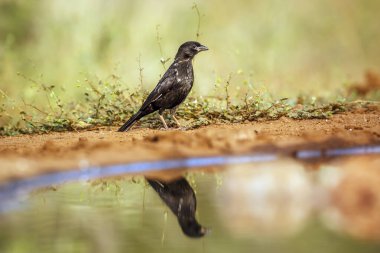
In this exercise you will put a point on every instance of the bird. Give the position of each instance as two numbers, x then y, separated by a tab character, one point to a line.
173	87
180	198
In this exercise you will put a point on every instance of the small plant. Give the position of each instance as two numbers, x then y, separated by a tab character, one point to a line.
107	103
199	16
163	59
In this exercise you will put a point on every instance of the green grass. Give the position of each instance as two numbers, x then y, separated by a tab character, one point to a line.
108	103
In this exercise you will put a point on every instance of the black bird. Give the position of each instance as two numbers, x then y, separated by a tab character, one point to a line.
173	87
180	198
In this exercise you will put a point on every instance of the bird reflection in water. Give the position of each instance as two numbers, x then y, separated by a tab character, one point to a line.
180	198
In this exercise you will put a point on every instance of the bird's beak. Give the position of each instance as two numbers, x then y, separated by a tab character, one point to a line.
202	48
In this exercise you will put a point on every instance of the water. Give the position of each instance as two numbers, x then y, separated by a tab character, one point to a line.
280	205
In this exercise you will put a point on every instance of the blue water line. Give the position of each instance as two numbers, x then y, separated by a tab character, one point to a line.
12	189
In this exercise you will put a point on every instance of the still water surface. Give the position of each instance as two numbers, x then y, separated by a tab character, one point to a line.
278	206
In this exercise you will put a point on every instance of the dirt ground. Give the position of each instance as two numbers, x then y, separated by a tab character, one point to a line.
27	155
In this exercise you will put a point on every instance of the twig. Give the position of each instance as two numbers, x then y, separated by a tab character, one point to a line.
41	85
158	39
140	72
228	98
34	107
198	34
10	99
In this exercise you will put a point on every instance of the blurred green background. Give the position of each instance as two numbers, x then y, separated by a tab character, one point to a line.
289	47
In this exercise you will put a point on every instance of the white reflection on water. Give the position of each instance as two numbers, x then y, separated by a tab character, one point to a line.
277	199
271	199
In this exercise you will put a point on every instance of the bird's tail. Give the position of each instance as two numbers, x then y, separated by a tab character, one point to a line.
127	125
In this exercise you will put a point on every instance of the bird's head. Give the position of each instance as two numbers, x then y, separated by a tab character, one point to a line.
192	228
189	49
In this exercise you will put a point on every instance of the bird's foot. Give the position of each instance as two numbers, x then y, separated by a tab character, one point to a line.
179	126
163	121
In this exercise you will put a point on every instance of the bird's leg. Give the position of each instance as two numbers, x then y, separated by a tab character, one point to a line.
172	113
163	120
176	121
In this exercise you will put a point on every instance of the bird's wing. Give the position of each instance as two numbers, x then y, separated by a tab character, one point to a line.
166	83
165	193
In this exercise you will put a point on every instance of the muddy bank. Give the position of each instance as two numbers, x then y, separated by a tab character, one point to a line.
27	155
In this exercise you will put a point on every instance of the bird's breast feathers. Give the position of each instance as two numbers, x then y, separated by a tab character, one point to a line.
183	73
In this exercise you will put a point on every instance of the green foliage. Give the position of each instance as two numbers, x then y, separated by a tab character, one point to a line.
290	49
108	103
44	107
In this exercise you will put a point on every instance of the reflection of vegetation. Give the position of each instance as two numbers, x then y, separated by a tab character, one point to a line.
79	217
